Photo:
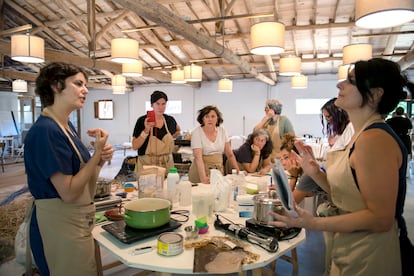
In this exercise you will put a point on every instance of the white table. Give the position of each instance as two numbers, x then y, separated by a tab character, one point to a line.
183	263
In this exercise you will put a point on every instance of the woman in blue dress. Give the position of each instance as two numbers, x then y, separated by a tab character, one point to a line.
62	175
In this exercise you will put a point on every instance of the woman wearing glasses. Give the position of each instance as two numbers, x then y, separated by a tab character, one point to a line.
366	180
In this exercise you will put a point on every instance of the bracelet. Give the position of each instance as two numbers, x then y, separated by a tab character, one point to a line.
143	134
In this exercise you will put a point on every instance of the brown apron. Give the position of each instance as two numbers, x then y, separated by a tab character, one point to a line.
275	138
360	252
67	228
158	152
212	161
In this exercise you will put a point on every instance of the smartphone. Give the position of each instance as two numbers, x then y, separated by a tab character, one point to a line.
151	115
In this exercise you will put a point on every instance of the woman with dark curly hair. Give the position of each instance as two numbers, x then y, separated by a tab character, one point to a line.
254	154
62	175
209	141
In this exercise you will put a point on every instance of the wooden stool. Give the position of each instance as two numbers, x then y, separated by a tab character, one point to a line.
293	259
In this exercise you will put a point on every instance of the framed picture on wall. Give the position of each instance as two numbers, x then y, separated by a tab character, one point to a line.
104	110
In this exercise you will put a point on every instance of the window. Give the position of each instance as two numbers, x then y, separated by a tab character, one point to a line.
104	110
310	106
173	107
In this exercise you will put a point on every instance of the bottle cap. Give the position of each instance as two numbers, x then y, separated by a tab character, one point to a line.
173	170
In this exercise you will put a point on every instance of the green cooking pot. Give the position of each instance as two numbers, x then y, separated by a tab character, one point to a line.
147	213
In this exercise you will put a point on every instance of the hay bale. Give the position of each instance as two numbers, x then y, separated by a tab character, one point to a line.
10	220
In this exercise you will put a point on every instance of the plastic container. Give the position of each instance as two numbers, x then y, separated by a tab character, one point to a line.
172	183
184	191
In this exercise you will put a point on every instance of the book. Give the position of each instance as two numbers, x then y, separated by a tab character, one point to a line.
283	189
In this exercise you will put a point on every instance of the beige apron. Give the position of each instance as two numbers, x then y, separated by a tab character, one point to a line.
67	228
212	161
275	138
158	152
358	253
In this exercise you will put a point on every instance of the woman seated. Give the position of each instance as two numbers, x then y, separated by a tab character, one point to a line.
254	155
209	141
301	184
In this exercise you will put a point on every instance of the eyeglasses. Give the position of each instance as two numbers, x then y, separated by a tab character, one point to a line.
349	78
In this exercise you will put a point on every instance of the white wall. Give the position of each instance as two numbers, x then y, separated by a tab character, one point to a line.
241	109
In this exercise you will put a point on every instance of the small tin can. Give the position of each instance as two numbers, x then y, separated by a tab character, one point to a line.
170	244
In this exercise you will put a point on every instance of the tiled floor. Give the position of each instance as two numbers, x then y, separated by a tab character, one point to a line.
310	254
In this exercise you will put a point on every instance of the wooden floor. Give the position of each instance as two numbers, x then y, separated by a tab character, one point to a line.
14	174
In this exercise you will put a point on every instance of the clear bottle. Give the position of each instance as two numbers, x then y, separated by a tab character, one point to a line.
184	191
172	183
241	184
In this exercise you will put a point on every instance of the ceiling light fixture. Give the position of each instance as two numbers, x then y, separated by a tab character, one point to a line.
299	82
118	84
267	38
354	52
133	69
290	66
27	48
225	85
19	86
124	50
177	76
379	14
342	72
193	73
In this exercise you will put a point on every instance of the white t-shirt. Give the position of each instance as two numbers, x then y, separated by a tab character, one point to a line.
343	139
200	140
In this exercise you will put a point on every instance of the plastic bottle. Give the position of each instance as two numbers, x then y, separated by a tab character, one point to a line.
184	191
172	183
241	184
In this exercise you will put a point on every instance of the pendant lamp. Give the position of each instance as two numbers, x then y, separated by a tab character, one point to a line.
225	85
118	84
299	82
267	38
379	14
342	72
133	69
19	86
124	50
27	48
193	73
354	52
290	66
177	76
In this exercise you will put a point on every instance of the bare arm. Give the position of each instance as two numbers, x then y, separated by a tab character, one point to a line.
376	160
177	131
137	142
230	156
198	159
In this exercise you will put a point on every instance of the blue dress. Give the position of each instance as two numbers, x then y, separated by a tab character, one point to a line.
48	151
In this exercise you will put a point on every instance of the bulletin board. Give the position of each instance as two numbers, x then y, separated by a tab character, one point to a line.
7	124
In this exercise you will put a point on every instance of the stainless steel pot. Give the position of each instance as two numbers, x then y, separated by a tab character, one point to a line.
103	188
263	203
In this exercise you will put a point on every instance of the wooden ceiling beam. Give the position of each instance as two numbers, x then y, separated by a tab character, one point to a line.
160	15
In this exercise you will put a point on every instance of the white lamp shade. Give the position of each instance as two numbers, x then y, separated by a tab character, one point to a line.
355	52
118	84
225	85
342	72
193	73
378	14
27	48
177	76
267	38
299	82
124	50
290	66
19	86
133	69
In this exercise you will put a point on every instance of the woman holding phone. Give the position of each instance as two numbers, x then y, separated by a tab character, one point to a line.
154	135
